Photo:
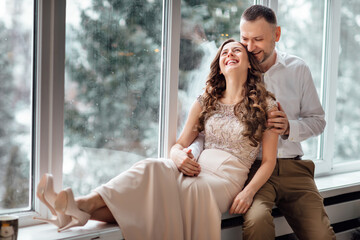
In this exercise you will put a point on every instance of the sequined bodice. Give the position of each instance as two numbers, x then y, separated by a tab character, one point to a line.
223	131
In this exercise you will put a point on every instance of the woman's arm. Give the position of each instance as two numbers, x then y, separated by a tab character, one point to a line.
181	156
244	199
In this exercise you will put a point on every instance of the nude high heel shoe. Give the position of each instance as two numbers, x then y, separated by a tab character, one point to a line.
65	204
45	192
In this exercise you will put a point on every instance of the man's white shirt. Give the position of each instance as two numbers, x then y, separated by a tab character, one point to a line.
291	81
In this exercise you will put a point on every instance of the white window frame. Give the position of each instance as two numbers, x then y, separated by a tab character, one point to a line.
50	66
329	79
50	90
49	101
169	75
335	37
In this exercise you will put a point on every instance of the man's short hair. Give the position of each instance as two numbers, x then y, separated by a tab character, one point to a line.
259	11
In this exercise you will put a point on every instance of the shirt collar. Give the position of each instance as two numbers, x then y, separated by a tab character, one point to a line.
280	58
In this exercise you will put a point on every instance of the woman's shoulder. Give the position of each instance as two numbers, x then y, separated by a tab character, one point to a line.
201	100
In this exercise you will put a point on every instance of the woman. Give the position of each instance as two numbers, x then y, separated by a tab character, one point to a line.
180	198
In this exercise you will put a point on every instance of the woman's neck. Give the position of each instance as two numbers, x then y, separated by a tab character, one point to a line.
234	90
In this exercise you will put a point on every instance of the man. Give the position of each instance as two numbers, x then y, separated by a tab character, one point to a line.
291	186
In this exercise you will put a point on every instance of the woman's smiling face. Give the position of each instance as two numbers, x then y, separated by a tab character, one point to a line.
233	56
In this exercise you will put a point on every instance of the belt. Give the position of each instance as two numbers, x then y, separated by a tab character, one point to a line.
298	157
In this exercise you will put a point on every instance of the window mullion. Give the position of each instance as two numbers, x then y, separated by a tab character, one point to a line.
273	4
50	92
330	75
58	83
262	2
169	75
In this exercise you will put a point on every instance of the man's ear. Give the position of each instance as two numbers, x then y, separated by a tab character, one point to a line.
277	33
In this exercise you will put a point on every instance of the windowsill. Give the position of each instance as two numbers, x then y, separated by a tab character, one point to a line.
91	230
328	186
337	184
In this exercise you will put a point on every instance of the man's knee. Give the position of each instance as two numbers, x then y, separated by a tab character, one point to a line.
320	230
327	234
257	217
258	224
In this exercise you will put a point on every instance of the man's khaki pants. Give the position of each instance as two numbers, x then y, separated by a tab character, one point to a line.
292	188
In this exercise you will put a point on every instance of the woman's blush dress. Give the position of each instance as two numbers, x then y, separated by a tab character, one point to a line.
154	200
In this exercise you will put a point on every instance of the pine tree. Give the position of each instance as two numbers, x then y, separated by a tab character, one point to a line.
14	171
117	74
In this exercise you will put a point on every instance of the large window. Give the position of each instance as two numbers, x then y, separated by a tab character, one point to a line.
16	108
347	126
112	88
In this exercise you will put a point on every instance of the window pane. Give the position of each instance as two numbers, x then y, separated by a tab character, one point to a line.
16	44
300	19
347	126
112	88
204	26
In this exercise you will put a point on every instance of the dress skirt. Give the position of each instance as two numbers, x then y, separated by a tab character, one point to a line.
153	200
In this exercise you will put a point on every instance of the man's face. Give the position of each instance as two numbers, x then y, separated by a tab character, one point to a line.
259	36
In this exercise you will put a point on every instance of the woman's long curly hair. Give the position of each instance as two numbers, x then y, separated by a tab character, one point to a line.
250	110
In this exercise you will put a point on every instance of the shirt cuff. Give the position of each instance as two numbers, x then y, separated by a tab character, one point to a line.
294	131
197	146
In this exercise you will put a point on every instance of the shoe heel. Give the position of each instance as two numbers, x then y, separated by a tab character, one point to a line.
53	221
66	205
45	192
74	223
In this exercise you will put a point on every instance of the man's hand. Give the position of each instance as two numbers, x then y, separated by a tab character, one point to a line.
188	151
279	121
188	164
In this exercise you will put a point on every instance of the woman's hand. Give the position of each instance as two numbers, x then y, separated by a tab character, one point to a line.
244	199
241	203
185	162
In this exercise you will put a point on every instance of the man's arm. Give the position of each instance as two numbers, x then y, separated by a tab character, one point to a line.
182	156
309	122
197	145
